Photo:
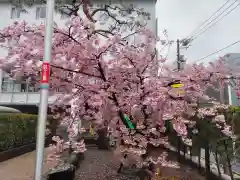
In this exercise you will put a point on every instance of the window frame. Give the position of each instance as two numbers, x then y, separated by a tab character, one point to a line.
40	11
15	13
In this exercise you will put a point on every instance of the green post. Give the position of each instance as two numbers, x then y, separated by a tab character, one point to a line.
128	122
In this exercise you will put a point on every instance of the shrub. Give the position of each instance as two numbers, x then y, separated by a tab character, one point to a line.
17	129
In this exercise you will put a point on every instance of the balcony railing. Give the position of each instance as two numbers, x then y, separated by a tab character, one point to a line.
10	86
20	87
22	93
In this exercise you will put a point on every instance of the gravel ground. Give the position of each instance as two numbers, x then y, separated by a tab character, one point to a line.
99	165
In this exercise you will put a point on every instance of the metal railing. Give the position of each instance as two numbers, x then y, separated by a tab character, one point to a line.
200	161
10	87
20	87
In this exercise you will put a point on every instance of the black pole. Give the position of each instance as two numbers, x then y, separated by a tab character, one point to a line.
178	55
228	160
207	159
179	148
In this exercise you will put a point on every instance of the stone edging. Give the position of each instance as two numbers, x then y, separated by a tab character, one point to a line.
9	154
18	151
65	170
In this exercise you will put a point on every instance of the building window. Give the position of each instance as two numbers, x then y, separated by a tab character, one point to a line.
15	13
4	84
41	12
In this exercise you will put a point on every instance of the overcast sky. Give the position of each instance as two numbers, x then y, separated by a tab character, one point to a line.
181	17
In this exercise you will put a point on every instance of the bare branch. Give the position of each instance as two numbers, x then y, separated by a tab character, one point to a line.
76	85
68	35
102	31
105	9
152	58
79	72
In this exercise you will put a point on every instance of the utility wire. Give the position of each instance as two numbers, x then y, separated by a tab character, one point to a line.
236	42
209	23
215	22
199	27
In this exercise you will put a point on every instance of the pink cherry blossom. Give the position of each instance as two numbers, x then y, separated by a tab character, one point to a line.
104	79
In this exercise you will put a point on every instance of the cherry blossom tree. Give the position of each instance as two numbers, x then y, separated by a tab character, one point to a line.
105	80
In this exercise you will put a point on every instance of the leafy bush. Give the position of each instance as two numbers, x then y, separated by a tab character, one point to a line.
17	129
234	118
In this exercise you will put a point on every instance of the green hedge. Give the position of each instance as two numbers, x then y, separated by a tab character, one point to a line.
233	117
17	129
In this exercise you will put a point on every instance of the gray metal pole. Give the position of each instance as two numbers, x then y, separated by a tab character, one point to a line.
229	94
42	113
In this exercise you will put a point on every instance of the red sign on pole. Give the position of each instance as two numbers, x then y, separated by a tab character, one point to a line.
45	72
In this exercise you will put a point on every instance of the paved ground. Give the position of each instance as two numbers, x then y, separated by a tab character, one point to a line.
21	167
99	165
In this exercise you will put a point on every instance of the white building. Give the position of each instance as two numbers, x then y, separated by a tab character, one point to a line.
230	96
18	94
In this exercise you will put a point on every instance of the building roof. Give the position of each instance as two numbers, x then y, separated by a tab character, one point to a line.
59	1
232	58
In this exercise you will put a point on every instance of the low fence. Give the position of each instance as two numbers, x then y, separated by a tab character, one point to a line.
212	167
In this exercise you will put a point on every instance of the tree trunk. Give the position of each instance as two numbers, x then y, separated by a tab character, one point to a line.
184	151
225	169
120	168
190	149
102	141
